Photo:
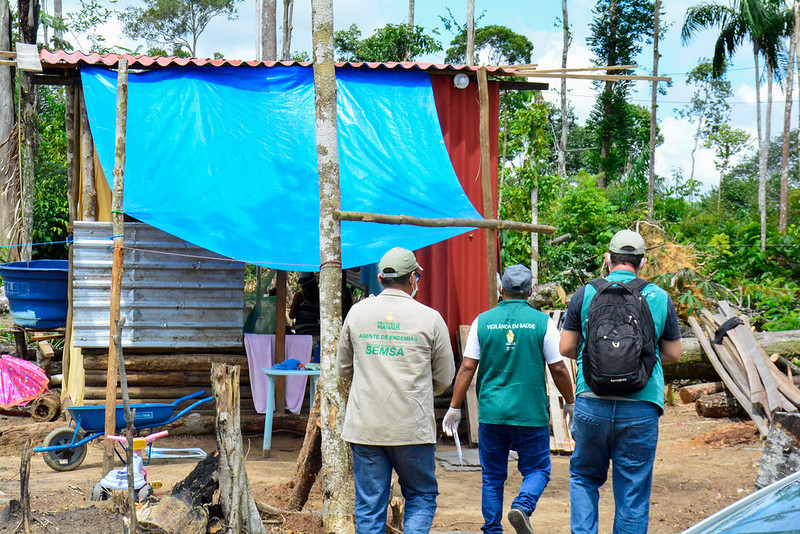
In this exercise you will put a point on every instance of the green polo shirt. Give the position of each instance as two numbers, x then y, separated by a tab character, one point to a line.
511	381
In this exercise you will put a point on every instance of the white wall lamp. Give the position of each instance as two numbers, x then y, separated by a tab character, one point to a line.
461	80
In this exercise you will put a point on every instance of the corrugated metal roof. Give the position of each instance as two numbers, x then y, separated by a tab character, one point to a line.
62	58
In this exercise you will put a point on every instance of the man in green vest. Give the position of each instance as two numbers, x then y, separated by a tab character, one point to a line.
509	346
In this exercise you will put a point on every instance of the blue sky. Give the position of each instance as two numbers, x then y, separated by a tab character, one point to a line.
538	21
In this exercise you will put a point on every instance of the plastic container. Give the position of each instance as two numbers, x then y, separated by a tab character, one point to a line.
37	292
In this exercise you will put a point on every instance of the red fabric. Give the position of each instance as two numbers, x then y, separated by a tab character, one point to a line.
455	282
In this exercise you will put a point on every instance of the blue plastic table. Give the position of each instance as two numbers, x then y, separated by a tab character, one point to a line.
273	375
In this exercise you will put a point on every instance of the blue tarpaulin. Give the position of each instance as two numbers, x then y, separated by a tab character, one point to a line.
225	158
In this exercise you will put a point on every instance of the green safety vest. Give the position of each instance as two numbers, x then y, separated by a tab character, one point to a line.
511	381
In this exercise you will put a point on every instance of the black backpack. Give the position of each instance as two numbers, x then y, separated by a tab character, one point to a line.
620	350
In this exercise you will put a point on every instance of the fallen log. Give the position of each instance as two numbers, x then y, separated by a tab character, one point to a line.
47	407
14	436
786	343
166	362
689	394
722	404
159	378
195	424
155	392
172	514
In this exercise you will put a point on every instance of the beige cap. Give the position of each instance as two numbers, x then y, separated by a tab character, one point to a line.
398	262
627	242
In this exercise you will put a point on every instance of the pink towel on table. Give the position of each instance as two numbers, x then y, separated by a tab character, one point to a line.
260	350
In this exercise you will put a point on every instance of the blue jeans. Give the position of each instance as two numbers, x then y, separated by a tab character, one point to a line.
625	433
533	447
372	472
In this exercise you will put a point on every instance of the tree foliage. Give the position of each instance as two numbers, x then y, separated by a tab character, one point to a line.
390	43
618	31
174	24
498	44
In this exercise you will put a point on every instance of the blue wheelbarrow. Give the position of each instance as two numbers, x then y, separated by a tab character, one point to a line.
64	449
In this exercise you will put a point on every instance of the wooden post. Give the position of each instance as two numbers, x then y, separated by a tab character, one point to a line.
89	193
337	504
486	186
126	405
470	54
280	339
73	179
118	223
238	507
651	176
24	486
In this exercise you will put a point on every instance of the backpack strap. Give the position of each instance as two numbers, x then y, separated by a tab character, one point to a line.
638	284
600	284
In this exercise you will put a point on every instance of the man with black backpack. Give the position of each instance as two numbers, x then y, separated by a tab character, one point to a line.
621	329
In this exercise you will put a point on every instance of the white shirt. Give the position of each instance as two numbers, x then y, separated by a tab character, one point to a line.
550	348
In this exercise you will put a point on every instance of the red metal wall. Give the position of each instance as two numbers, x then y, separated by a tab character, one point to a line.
455	281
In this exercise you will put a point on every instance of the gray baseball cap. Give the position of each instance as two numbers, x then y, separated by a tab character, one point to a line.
517	279
627	242
398	262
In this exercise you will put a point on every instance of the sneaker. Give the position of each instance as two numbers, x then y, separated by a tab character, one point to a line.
519	520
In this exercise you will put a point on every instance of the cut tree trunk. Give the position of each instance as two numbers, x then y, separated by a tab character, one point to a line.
238	507
24	479
722	404
47	407
781	456
184	511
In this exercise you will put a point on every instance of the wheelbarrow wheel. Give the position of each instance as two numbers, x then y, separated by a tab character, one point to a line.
64	459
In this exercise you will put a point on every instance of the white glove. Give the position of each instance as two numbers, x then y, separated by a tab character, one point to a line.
451	420
569	414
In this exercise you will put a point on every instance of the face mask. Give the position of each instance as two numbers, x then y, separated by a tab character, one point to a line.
416	286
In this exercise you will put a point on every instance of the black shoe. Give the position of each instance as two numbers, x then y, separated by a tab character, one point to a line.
519	521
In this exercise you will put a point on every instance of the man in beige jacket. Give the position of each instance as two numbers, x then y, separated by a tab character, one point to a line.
398	354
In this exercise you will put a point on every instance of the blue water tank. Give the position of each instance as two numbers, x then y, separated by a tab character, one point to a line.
37	292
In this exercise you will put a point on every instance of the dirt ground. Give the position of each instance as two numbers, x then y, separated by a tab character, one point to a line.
702	465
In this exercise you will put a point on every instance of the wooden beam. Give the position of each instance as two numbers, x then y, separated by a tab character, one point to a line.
524	86
498	224
44	79
600	77
583	69
486	186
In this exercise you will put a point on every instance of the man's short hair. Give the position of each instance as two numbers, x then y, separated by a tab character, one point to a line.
397	281
634	260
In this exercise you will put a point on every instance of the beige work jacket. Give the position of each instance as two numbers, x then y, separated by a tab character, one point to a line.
398	353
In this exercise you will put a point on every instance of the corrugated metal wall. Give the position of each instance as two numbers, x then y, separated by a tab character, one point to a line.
170	298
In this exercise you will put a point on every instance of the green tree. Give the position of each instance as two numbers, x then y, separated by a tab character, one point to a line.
390	43
501	45
708	108
726	142
618	31
174	24
762	22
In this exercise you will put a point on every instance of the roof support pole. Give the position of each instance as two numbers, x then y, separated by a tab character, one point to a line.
337	504
486	185
118	224
280	338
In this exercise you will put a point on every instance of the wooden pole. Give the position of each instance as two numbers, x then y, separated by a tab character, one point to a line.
497	224
118	225
126	405
89	193
651	176
601	77
470	53
337	503
280	339
73	180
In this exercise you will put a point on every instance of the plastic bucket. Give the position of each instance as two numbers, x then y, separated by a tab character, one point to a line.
37	292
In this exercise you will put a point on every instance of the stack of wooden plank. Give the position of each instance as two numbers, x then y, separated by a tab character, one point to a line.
747	373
